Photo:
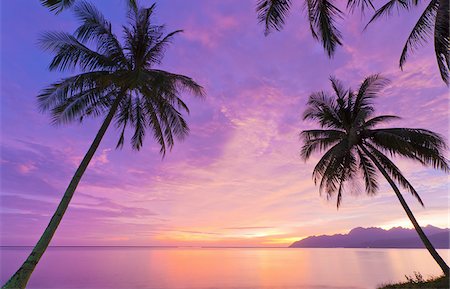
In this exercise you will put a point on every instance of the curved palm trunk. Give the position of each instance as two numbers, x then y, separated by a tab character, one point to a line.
411	217
21	277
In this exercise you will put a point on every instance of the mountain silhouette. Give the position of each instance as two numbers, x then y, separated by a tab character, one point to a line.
396	237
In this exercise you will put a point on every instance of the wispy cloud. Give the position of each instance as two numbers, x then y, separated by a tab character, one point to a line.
238	178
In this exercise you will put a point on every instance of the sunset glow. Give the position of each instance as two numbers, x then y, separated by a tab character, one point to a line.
237	179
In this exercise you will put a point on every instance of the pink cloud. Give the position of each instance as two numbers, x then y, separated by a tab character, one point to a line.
240	167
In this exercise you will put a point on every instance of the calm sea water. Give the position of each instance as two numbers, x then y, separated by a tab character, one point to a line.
223	268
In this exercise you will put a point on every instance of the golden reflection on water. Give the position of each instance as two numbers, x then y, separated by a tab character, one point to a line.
206	268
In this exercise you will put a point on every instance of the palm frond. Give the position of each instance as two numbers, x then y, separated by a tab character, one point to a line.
71	54
121	140
155	124
156	52
318	140
57	5
392	170
58	92
323	108
387	9
337	166
139	123
132	4
272	13
367	91
369	173
171	119
167	122
361	4
340	190
178	82
94	101
340	169
309	5
322	15
100	105
123	116
328	157
379	119
94	25
338	87
421	31
96	28
331	176
141	35
442	39
418	144
175	125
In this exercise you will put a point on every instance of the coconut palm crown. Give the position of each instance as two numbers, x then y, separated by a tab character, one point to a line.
116	74
353	146
118	81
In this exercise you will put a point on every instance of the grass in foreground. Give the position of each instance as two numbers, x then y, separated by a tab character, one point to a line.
417	281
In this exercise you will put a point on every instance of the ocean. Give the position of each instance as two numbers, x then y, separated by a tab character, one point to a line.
219	268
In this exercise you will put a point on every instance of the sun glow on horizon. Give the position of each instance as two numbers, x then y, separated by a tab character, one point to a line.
237	179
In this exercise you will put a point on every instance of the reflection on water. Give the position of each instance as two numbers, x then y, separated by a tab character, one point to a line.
243	268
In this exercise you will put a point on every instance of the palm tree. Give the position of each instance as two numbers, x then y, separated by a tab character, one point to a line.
117	81
59	5
322	15
434	21
354	147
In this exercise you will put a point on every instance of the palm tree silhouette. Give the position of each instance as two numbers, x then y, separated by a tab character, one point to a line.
434	22
322	15
119	82
59	5
354	147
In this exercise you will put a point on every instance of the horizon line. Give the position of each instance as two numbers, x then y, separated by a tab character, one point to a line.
145	246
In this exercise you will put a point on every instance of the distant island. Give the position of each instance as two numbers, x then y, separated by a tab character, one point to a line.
396	237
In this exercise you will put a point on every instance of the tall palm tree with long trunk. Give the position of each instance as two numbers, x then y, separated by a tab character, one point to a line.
353	147
118	81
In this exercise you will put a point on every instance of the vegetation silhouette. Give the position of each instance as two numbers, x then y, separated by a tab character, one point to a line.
322	16
58	6
119	82
434	22
354	147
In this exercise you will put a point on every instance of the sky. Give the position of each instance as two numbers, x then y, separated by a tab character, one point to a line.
237	179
